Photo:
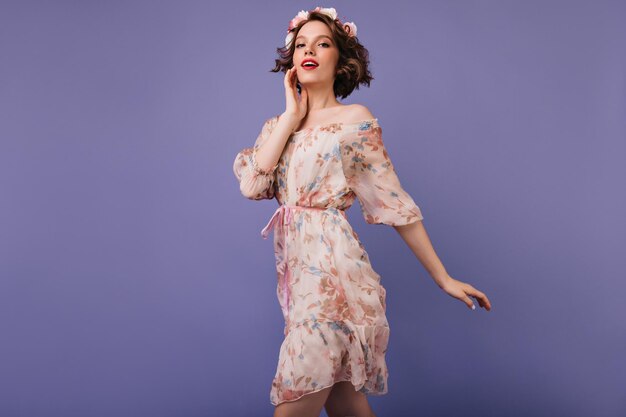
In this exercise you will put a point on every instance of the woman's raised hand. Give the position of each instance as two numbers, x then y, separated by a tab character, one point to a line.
297	107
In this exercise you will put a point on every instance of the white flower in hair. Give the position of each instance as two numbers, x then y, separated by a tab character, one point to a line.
288	38
349	27
330	11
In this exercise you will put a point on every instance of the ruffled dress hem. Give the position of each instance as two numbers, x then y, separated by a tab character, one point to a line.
356	388
317	354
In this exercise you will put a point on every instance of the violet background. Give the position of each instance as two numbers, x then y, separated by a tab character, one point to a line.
133	277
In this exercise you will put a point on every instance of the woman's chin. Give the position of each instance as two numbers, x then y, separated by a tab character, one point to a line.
314	81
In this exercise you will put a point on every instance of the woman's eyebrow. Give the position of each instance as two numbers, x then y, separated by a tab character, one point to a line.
320	36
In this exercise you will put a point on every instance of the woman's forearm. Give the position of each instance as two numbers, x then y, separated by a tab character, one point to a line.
269	153
415	236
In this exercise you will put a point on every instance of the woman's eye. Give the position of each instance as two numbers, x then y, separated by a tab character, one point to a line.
323	43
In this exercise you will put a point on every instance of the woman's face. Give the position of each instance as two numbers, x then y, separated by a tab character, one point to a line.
315	41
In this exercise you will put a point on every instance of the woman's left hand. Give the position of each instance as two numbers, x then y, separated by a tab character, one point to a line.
463	291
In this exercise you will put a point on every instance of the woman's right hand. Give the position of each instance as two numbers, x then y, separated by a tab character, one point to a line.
297	107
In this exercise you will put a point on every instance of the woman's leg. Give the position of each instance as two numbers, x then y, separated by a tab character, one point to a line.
345	401
309	405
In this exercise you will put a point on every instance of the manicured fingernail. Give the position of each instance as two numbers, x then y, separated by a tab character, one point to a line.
473	307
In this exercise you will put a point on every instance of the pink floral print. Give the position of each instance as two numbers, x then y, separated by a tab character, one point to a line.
332	299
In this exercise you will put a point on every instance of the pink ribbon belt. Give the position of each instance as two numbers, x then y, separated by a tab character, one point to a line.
281	218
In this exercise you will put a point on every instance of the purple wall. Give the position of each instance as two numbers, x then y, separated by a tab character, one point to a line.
133	277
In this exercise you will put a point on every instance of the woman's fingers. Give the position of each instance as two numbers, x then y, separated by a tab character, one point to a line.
468	301
289	76
296	104
293	81
289	85
464	291
482	299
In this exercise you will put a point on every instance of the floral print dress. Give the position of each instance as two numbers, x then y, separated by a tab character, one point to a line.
332	300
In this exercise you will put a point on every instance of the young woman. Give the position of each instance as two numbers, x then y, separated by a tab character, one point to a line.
315	158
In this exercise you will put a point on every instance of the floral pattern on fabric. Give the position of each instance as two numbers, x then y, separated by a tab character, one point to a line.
332	300
372	176
254	182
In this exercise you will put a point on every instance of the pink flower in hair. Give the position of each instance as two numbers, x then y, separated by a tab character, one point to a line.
349	27
302	15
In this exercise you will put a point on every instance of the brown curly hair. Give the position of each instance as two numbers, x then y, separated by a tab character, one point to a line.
352	67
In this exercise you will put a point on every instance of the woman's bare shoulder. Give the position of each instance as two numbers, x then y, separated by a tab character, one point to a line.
357	113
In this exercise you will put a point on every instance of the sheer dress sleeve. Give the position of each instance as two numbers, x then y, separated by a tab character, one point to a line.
254	182
371	175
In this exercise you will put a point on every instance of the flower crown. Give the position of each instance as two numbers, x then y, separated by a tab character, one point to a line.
349	27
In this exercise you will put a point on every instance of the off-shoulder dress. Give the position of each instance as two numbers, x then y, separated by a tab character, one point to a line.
332	299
